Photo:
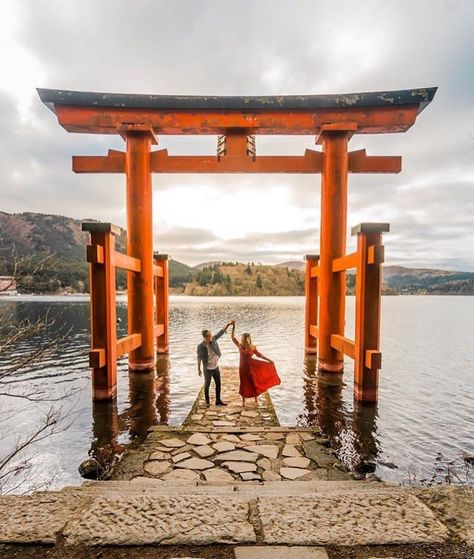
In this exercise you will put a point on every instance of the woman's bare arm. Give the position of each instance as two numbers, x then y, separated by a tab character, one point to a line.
232	334
258	354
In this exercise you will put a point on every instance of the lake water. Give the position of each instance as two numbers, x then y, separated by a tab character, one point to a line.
426	385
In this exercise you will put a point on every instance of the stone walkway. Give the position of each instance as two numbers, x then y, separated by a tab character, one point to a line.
232	443
233	477
232	415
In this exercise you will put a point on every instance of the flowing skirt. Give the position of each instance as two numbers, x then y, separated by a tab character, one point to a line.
257	377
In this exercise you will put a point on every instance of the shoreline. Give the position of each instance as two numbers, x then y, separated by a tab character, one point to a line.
20	296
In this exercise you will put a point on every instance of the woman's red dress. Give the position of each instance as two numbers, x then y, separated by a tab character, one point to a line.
256	376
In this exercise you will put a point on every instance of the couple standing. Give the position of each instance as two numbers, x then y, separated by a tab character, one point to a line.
256	375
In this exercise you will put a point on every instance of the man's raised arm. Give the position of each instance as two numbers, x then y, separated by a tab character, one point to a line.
221	332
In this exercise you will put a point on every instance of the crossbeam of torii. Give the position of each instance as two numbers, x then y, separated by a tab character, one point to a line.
332	119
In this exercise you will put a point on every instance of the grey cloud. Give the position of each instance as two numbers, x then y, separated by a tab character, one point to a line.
197	245
265	47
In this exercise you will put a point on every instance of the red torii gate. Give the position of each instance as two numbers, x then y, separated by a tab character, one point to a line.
332	119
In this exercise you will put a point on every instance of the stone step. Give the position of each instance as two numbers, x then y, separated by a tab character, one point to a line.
158	487
362	514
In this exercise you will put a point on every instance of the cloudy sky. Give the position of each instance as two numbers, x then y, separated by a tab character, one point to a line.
243	47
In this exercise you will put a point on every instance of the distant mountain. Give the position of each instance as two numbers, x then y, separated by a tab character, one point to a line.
422	281
180	274
50	249
32	233
60	244
60	240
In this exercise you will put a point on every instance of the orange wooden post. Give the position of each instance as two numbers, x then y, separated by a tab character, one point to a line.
162	303
140	245
103	354
332	286
368	359
311	303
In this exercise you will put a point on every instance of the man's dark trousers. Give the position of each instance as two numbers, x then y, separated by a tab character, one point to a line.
216	375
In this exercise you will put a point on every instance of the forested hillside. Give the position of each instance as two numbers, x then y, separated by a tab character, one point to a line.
53	247
51	252
245	279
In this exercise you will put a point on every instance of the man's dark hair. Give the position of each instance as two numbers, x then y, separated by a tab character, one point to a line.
205	333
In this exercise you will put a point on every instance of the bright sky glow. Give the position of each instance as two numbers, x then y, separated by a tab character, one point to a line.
249	48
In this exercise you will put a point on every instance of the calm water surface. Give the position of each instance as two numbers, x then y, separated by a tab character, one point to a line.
426	385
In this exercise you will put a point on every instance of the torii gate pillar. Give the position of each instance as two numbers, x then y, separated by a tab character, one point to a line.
140	244
332	287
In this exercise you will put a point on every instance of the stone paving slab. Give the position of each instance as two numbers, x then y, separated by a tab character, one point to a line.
247	435
180	520
280	552
152	512
454	506
349	519
36	518
273	456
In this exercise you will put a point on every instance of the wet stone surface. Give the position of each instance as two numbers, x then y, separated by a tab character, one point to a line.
233	443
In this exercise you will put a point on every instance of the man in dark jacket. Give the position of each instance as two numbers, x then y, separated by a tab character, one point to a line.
208	353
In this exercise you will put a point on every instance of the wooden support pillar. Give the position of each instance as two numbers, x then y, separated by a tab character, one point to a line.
332	286
311	303
140	245
103	354
367	358
162	303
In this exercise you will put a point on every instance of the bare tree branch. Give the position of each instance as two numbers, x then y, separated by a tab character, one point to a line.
23	345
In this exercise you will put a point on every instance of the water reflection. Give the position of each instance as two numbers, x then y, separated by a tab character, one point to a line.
148	404
163	399
352	432
420	413
106	428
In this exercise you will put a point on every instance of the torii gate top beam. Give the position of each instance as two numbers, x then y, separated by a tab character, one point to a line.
105	113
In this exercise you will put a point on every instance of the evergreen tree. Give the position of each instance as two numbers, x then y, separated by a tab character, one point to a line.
228	283
258	282
218	276
204	277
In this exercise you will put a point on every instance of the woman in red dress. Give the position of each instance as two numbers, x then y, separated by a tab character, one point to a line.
256	375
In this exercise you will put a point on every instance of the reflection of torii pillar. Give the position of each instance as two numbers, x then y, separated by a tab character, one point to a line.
140	242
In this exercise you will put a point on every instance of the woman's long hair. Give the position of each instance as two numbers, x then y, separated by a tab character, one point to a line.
247	341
